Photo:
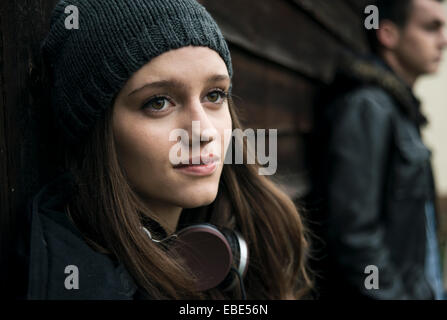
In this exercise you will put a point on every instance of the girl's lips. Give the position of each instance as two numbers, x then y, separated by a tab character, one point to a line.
198	169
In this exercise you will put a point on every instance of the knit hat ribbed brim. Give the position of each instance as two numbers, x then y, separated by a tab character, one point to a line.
115	38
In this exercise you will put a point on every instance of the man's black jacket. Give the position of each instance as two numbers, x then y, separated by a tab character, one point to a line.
371	177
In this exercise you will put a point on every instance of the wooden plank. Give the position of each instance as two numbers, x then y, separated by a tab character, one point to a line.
275	30
338	18
291	173
6	212
358	6
270	96
4	193
23	25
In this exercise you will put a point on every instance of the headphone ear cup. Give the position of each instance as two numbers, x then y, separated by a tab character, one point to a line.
206	252
239	249
212	254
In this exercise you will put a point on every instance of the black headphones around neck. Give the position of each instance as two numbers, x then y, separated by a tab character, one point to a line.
217	256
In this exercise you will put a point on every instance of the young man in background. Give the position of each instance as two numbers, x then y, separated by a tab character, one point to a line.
373	196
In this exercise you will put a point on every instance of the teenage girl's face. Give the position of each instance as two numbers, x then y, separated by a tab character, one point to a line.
169	93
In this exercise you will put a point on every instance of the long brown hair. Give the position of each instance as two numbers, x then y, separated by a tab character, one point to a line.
109	214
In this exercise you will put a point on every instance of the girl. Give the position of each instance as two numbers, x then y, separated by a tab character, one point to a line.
133	73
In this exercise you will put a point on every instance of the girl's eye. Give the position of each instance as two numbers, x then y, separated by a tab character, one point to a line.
217	96
157	104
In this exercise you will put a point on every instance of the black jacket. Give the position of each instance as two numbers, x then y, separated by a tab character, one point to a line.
55	243
371	177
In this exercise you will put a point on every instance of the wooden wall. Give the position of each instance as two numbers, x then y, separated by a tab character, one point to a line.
24	147
283	52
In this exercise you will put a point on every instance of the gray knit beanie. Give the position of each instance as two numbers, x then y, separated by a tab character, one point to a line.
90	65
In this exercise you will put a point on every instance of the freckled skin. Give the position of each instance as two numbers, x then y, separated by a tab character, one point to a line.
142	135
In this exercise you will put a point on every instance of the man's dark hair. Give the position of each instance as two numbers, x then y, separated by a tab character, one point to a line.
397	11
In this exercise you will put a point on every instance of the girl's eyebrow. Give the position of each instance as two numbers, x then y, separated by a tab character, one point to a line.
169	84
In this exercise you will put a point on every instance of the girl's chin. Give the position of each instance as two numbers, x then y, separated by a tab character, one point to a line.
196	200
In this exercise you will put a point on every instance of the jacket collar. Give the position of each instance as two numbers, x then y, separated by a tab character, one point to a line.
56	243
373	70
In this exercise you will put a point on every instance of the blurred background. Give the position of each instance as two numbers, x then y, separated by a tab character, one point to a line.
284	52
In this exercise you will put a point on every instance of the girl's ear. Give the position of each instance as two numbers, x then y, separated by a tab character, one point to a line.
388	34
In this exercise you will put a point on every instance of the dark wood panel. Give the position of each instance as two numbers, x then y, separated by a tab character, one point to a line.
6	205
4	202
277	31
359	5
338	18
269	96
291	173
23	24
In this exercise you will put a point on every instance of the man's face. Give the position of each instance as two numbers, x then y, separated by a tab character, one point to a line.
423	39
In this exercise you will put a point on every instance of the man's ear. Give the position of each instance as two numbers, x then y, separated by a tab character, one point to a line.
388	35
